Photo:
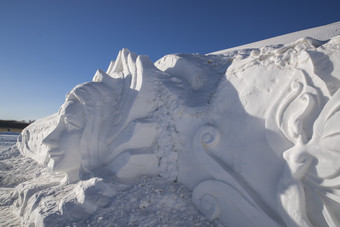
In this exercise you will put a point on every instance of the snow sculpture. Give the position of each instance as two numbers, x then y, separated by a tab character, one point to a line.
294	98
98	118
82	114
254	134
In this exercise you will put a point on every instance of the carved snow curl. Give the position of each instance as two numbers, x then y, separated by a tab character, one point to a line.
296	114
210	136
227	196
290	120
206	202
207	140
216	199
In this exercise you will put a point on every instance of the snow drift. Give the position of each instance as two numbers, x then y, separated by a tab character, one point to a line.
254	134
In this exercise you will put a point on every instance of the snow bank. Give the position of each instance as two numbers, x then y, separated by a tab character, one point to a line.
252	133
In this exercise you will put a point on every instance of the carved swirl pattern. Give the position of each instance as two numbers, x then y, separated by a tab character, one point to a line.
295	114
291	118
209	135
206	203
216	199
228	196
206	140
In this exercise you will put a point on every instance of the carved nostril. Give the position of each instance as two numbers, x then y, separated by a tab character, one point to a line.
52	143
288	154
302	157
297	155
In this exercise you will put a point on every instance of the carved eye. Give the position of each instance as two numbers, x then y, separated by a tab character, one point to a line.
73	115
72	124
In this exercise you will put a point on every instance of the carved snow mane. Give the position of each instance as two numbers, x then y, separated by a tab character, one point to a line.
308	191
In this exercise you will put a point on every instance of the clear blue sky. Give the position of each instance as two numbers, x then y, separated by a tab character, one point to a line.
48	47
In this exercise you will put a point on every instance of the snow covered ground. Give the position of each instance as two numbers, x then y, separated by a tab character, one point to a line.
7	139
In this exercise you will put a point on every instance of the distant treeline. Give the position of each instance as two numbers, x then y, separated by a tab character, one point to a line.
13	124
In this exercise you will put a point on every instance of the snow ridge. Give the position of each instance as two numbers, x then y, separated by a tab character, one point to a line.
323	33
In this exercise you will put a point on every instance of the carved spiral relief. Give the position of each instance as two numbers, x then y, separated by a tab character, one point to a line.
209	135
227	196
216	199
291	118
206	203
297	111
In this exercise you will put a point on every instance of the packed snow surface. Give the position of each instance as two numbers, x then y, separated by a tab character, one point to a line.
248	137
7	139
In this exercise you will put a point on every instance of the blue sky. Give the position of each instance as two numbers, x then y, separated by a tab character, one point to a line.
48	47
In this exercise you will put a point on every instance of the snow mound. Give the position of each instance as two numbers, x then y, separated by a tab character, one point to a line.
252	136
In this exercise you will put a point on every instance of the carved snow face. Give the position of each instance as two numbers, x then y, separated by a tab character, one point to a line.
64	140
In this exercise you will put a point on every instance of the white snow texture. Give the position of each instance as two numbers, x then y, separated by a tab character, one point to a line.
251	134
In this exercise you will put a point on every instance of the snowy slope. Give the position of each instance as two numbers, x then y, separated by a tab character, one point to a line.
242	138
325	32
